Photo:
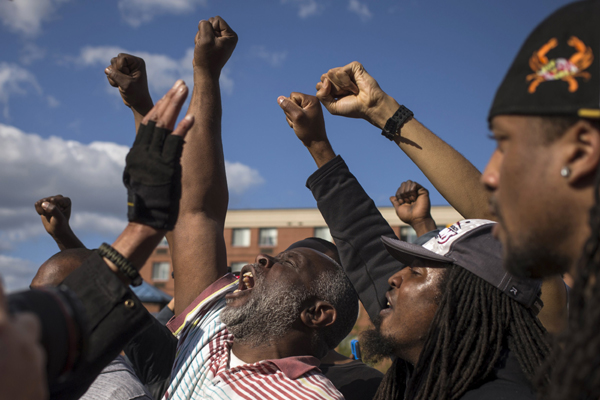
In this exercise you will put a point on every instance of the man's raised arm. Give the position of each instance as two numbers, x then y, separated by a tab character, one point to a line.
197	244
351	92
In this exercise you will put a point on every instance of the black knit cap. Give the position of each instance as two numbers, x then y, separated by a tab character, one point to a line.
557	70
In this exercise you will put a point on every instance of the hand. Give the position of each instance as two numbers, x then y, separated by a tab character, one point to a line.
413	207
55	212
351	92
152	173
128	73
303	113
214	44
23	360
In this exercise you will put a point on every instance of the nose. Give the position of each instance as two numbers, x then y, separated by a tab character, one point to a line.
395	280
491	175
264	260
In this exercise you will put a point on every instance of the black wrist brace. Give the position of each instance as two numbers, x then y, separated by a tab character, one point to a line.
152	177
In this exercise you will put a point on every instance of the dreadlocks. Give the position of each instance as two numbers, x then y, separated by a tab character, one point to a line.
473	324
576	360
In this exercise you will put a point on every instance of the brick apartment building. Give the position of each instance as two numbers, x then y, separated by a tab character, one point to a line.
252	232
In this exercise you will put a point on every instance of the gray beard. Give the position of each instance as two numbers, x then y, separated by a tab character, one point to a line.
267	316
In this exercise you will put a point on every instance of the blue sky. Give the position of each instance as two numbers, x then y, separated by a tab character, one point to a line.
65	130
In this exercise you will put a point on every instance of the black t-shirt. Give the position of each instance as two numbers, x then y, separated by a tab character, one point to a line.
355	380
506	382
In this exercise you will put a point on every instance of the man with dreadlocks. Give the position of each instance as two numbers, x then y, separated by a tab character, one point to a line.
457	325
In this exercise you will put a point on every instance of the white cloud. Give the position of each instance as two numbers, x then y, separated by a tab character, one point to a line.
362	10
15	80
306	8
26	16
52	101
241	177
32	167
273	58
162	70
30	53
16	273
138	12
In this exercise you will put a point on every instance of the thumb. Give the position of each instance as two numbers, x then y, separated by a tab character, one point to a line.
395	201
288	106
325	97
115	78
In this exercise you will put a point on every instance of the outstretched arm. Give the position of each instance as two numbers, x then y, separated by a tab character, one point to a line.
197	244
355	222
55	212
351	92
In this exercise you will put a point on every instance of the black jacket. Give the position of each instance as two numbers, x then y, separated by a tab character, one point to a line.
357	225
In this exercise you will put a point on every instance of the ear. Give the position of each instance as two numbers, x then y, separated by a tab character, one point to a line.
319	315
582	144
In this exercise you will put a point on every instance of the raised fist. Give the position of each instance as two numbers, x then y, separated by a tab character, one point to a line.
413	206
351	92
303	113
128	73
214	44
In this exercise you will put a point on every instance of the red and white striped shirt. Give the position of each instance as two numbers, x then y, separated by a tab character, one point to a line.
201	369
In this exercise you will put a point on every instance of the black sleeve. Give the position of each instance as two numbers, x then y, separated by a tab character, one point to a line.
114	316
152	354
357	226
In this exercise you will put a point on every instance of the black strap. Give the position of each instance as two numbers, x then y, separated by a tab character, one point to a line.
394	124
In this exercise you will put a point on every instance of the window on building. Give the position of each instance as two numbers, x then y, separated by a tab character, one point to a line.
237	266
322	232
241	237
408	234
267	237
160	271
162	250
163	243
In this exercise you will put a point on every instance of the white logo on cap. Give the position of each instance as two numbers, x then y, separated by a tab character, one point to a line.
442	243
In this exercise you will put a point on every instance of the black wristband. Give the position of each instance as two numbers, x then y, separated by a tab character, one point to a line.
124	265
394	124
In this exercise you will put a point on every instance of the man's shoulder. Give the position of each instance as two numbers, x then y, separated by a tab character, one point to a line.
501	389
209	302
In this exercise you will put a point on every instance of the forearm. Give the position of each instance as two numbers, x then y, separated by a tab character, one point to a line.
423	226
136	243
321	152
448	170
357	226
204	184
139	113
68	240
197	244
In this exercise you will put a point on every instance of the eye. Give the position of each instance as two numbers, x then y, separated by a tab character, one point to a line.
499	139
414	271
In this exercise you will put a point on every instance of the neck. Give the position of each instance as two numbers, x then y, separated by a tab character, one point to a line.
291	345
410	354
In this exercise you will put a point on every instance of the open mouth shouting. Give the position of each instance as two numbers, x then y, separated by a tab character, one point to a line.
246	282
389	305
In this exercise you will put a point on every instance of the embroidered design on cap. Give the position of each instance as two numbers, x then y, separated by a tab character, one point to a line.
560	68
